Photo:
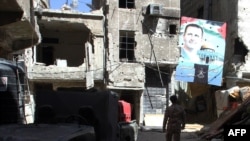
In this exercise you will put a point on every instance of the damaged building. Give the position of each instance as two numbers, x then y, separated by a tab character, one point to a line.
236	59
229	108
17	27
142	53
18	31
71	53
127	46
235	72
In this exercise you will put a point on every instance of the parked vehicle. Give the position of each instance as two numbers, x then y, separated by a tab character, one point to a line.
12	110
62	115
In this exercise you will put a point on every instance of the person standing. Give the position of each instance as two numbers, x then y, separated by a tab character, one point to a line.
174	118
193	40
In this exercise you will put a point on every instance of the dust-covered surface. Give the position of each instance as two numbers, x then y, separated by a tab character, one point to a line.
46	132
190	133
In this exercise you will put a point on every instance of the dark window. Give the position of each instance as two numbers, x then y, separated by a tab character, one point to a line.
126	4
50	40
48	55
127	46
240	49
200	12
154	78
172	29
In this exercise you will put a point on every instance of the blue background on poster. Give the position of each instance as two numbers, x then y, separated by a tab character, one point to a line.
214	38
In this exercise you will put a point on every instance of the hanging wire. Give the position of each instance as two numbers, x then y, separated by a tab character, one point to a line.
152	48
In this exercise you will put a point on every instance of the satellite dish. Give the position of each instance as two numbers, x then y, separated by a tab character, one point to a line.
74	4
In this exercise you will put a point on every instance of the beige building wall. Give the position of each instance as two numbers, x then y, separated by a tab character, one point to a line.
154	43
17	27
155	48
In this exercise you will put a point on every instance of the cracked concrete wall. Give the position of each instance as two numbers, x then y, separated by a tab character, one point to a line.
72	30
16	26
243	30
154	43
237	18
243	22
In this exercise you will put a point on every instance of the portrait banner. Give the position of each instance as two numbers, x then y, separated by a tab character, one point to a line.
202	44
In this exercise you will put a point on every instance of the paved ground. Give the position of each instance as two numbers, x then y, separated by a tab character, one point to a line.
160	136
188	134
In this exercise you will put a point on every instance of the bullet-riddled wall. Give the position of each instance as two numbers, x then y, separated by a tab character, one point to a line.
142	38
137	36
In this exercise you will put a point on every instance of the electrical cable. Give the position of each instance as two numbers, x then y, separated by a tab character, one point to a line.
152	49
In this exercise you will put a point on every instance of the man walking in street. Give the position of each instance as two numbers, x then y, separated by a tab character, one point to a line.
174	118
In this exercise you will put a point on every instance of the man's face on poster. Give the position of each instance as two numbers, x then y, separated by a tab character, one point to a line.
193	38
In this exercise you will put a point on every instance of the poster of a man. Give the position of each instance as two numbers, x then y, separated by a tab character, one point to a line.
192	38
202	47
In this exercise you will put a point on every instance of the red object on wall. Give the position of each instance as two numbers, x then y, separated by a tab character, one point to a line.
124	111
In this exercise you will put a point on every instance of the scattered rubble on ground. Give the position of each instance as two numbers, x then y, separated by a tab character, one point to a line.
233	115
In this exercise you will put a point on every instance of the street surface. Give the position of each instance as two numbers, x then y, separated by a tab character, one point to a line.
188	134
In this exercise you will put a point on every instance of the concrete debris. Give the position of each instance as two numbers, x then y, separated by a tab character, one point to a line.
234	114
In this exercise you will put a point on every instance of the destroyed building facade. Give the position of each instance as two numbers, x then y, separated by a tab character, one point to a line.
127	47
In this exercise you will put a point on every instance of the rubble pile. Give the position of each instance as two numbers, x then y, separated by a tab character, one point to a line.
233	115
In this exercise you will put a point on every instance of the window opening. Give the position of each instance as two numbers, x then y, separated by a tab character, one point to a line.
50	40
200	12
172	29
127	46
153	78
240	49
126	4
48	55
